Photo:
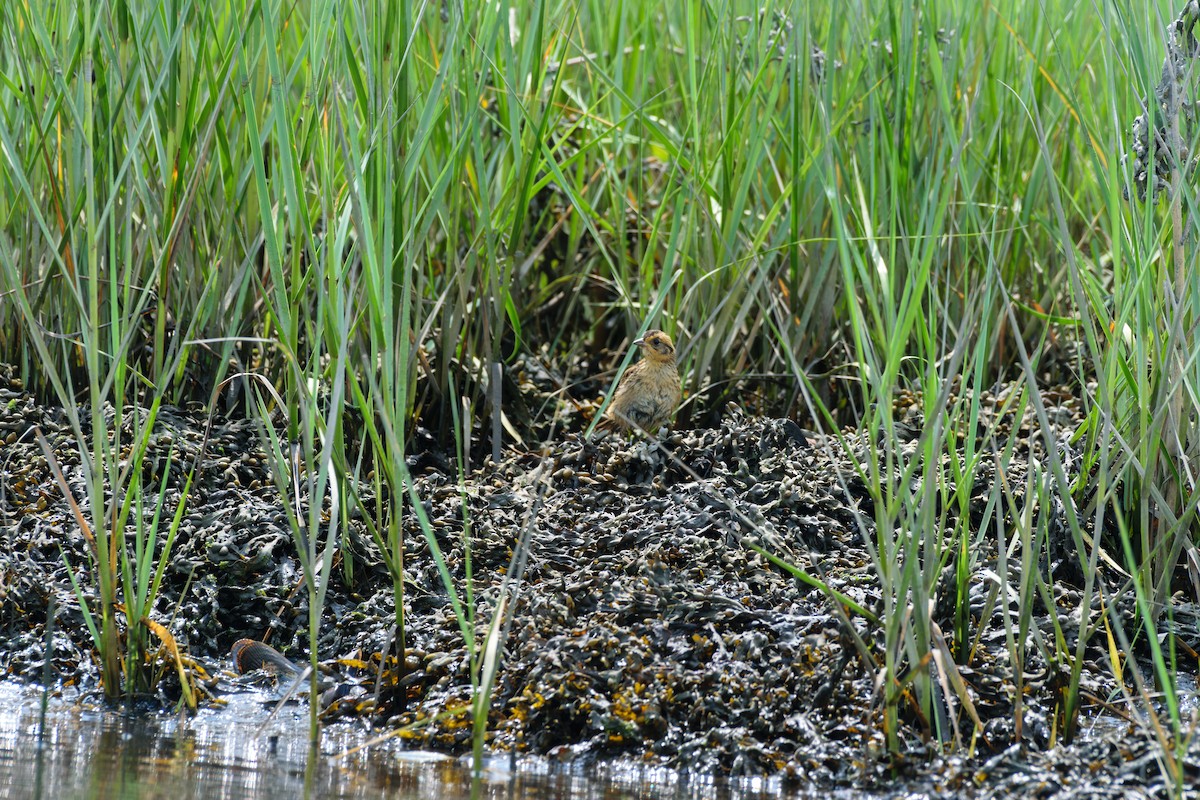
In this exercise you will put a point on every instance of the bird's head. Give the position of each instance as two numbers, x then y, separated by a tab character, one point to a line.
657	346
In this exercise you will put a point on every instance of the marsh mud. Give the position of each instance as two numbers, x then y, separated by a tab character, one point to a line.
646	614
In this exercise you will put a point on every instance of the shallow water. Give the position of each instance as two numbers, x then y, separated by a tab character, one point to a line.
86	750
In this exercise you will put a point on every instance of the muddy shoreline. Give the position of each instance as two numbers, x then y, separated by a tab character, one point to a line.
645	623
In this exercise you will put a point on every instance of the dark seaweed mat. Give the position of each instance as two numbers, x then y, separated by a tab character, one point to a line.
644	624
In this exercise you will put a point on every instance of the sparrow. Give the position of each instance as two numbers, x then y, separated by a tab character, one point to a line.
250	655
649	391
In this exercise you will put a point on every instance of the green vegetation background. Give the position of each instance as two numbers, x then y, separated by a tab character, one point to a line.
446	186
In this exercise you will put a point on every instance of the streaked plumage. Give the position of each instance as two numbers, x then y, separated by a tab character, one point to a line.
249	654
649	391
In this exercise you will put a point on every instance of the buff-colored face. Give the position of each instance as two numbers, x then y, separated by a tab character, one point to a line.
657	345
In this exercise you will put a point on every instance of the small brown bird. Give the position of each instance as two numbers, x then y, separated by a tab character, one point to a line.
649	391
249	655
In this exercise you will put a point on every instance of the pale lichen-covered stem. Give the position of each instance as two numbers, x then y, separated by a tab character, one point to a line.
1175	431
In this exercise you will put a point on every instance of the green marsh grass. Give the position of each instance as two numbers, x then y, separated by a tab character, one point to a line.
377	209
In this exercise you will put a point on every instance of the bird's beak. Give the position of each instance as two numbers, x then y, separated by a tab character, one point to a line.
638	342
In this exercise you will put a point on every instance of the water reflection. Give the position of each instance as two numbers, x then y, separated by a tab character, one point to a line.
89	751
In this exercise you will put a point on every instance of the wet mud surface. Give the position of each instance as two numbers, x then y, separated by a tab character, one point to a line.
647	622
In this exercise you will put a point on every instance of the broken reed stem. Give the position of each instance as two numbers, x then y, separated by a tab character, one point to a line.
1173	77
1173	430
1177	430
